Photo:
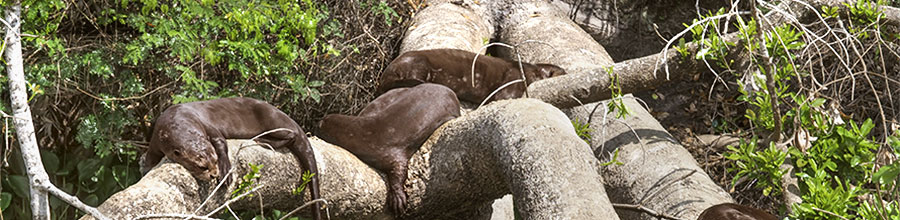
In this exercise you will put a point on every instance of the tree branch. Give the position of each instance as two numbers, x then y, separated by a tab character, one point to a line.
39	182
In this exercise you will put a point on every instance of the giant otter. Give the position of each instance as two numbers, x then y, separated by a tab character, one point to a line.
453	68
390	129
193	135
731	211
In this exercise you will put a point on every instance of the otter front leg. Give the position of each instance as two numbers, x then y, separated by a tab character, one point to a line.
150	158
224	164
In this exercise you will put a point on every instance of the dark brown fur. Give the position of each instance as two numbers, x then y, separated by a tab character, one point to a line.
731	211
193	135
453	68
390	129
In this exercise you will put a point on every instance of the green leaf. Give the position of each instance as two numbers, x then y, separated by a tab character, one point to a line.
5	199
817	102
866	127
19	185
87	169
702	53
314	94
50	161
316	83
887	174
92	200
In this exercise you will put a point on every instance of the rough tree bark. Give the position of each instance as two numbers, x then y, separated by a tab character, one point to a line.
522	146
442	24
40	206
39	183
660	173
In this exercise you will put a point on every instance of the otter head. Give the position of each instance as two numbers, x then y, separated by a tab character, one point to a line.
548	70
191	148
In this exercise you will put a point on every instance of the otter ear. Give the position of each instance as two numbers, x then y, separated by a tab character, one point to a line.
547	70
553	70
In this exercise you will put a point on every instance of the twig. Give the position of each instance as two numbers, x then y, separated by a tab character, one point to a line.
234	199
292	212
665	49
485	47
269	132
644	209
829	213
209	197
8	26
232	212
122	99
498	90
173	215
74	201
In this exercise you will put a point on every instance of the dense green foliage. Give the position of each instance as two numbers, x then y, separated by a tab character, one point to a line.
97	62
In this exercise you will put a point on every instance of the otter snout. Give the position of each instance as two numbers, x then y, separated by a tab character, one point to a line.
212	173
206	169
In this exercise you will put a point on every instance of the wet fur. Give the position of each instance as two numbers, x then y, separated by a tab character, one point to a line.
453	68
731	211
390	129
193	135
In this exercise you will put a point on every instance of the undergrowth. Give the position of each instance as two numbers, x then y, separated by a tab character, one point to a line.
99	71
835	158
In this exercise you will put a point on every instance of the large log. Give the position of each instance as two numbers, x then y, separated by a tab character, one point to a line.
659	173
524	147
465	26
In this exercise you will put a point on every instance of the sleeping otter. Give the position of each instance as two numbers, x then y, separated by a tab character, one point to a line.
390	129
193	135
453	68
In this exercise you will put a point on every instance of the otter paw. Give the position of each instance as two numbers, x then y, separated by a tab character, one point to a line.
397	202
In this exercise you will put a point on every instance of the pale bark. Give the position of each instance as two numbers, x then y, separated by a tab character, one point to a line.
39	182
40	206
523	147
442	24
660	173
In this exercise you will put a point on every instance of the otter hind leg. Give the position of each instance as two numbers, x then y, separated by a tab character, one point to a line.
396	180
277	139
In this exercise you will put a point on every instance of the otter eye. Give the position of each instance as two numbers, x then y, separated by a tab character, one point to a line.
203	167
177	153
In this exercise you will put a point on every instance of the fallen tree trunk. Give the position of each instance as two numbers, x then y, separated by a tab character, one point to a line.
443	24
658	172
525	147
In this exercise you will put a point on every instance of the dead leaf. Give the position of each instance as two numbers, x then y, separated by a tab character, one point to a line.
803	140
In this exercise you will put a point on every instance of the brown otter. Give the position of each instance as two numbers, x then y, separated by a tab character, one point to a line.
731	211
193	135
453	68
390	129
